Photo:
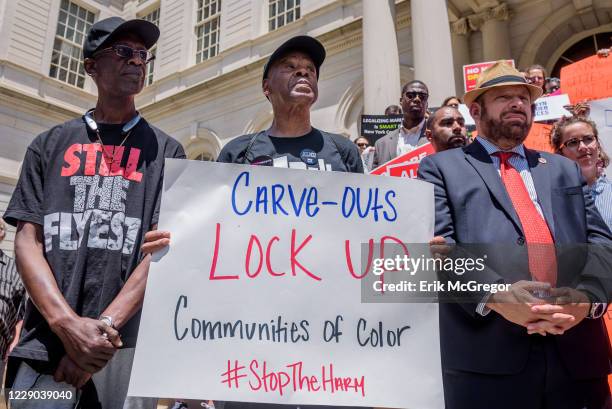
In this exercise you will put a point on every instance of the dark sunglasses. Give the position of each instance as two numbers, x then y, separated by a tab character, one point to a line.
126	52
412	95
363	145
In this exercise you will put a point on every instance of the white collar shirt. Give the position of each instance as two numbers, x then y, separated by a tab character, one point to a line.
408	139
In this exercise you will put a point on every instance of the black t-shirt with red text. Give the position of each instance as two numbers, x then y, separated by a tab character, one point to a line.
94	203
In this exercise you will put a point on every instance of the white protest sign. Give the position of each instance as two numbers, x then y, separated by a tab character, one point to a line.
259	297
601	114
547	108
465	112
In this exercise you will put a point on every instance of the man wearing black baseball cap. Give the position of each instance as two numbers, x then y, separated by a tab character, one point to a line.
106	32
88	190
290	82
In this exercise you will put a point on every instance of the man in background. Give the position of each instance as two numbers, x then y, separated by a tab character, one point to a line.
412	132
290	83
446	129
393	110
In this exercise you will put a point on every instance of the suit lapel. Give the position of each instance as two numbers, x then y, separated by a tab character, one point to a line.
479	158
540	173
422	137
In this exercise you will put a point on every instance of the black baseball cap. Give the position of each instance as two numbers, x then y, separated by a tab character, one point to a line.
306	44
102	33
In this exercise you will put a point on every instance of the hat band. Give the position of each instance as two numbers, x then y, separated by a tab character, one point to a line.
502	79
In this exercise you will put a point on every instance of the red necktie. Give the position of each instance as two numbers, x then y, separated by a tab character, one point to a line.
540	244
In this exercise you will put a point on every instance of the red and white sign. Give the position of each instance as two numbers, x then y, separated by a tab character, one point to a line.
405	165
404	170
471	73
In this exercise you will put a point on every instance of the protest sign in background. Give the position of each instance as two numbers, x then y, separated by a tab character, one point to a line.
259	296
587	79
412	157
550	108
374	127
539	137
465	112
471	73
403	170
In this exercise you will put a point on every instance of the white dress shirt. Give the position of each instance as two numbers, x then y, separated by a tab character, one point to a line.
408	139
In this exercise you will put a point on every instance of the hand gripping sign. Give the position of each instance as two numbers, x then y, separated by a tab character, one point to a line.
259	297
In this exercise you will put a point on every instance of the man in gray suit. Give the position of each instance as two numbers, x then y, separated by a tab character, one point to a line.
412	132
542	343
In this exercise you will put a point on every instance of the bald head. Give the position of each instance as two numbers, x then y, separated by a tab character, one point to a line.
446	129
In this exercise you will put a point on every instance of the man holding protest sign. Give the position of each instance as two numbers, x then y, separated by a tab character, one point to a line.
88	190
290	83
537	345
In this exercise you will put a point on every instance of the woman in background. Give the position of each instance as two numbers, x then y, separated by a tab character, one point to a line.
366	152
536	75
452	102
576	138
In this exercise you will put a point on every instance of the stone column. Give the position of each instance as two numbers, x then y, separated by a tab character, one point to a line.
460	32
431	48
495	37
381	73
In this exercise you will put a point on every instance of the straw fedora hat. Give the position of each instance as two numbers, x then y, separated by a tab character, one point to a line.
498	75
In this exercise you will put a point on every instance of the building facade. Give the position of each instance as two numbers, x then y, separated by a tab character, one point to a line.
204	87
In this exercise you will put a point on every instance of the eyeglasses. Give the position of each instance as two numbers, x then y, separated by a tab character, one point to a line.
126	52
412	95
574	143
363	145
